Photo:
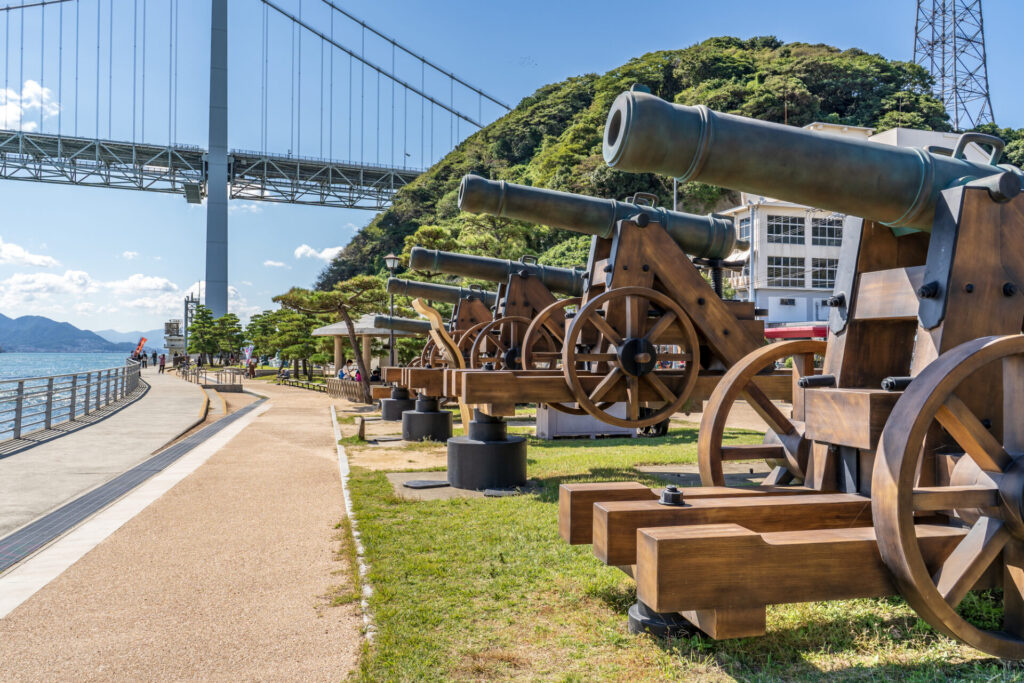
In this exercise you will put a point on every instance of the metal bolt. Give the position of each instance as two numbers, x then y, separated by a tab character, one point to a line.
928	290
608	268
646	268
700	301
969	287
836	301
1009	289
642	219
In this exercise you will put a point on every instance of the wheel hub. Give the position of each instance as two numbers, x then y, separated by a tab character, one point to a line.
637	356
511	358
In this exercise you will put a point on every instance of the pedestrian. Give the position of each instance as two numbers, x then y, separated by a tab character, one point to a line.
154	358
350	369
142	359
163	362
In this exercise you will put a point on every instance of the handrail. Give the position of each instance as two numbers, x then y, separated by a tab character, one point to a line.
29	404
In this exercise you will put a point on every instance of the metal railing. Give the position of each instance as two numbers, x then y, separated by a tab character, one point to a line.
35	403
210	374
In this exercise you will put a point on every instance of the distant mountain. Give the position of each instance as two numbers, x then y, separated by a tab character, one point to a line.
31	333
154	338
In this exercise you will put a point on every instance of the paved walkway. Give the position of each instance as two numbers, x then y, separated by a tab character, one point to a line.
40	479
227	576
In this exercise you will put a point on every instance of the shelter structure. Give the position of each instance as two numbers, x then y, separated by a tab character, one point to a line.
365	332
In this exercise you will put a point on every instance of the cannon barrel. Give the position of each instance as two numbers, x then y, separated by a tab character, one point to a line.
387	322
707	236
896	186
446	293
561	280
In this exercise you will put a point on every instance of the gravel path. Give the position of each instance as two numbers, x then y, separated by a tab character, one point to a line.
226	577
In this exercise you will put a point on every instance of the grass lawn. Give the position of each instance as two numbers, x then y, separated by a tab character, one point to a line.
477	589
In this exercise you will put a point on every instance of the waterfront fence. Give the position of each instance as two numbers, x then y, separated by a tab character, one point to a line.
31	404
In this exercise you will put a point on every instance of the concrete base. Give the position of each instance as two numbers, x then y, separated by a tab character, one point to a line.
391	409
426	423
642	619
487	458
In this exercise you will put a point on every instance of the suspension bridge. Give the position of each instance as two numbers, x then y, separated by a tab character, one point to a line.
333	111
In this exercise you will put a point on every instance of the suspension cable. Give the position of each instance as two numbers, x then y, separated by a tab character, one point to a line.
135	62
110	67
42	64
60	69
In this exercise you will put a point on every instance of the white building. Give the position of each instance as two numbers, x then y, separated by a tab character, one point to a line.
795	248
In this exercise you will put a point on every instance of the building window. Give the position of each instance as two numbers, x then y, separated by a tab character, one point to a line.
823	273
744	232
827	232
786	229
786	271
787	302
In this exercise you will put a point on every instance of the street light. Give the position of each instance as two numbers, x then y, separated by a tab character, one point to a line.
391	263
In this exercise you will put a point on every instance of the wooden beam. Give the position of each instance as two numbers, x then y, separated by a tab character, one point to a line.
616	523
847	417
889	294
728	566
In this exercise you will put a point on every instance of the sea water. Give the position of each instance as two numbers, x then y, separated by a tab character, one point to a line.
24	365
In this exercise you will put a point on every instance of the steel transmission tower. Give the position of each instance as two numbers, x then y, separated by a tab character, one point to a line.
949	41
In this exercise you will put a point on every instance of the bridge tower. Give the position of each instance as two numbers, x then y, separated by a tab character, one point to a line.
217	165
949	41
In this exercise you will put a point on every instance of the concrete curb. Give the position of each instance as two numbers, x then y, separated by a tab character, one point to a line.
369	629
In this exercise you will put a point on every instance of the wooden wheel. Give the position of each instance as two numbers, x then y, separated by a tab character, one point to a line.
500	342
542	359
785	432
431	355
986	490
630	324
465	342
534	356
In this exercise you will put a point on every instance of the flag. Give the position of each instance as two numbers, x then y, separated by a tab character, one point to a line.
138	349
248	352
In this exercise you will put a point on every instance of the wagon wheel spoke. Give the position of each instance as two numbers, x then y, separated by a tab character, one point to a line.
605	329
659	386
932	498
660	326
969	560
633	317
633	397
968	431
498	344
768	411
605	385
546	354
1013	588
1013	399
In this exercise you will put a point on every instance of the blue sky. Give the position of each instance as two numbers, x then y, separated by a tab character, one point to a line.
112	258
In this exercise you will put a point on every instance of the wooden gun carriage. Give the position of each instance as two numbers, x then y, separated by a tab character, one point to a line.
649	331
903	457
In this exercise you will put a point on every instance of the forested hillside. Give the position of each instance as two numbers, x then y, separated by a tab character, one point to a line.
553	139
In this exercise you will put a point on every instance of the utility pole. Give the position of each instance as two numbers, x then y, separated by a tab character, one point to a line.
217	165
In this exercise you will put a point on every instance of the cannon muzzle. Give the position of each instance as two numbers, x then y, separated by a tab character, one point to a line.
445	293
897	186
561	280
707	236
387	322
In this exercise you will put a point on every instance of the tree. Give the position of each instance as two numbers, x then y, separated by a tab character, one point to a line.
228	331
202	337
351	298
261	332
293	338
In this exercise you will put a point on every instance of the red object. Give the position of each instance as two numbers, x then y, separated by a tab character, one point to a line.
797	332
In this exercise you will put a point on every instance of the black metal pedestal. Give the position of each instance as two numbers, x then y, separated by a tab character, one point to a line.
391	409
642	619
487	457
426	422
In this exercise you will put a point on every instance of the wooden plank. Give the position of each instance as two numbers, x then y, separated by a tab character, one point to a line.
753	451
378	393
723	566
730	622
393	374
741	310
889	294
428	381
616	523
847	417
544	386
930	498
576	501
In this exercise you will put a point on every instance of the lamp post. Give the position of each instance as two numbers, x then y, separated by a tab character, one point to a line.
391	263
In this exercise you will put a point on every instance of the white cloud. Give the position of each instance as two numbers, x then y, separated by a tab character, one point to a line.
325	254
246	283
15	106
129	255
18	255
244	207
274	264
31	288
141	283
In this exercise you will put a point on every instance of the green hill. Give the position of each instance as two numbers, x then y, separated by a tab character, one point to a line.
553	139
